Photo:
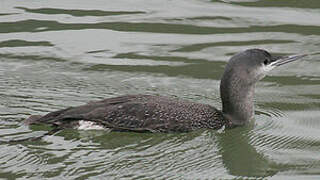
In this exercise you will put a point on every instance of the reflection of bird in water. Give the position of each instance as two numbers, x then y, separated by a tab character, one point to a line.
147	113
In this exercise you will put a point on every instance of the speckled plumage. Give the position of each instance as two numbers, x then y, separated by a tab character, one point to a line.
141	113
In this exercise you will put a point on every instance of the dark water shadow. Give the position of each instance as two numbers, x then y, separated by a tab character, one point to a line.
207	70
314	4
198	47
240	158
30	57
134	141
23	43
124	140
6	14
133	55
77	12
44	26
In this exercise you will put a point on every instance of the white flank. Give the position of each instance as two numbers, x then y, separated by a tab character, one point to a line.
89	125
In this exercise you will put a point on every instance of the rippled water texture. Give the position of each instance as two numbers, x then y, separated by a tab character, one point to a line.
55	54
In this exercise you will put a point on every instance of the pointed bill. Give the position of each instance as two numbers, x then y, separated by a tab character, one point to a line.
287	59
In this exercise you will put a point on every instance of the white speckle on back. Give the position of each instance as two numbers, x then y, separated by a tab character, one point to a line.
89	125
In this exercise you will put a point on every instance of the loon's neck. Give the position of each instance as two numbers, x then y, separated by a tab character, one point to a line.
237	97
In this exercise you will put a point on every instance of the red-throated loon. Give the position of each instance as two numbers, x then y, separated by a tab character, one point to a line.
148	113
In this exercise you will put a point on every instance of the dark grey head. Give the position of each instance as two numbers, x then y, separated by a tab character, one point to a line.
241	74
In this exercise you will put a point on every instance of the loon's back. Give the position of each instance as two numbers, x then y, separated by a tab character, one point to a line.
140	113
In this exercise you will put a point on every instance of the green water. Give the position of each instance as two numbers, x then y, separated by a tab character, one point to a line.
56	54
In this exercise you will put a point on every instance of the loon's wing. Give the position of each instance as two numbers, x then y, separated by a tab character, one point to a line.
140	113
95	110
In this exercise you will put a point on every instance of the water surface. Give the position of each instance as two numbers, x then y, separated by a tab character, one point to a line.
56	54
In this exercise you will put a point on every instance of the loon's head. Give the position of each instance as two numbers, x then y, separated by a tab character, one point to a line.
253	64
241	74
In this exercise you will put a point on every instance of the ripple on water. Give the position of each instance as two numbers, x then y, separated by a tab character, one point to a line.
58	54
154	156
19	159
288	143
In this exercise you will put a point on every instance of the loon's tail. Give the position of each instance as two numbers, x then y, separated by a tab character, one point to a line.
33	119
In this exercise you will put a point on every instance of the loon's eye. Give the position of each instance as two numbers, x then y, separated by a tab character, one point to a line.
266	61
